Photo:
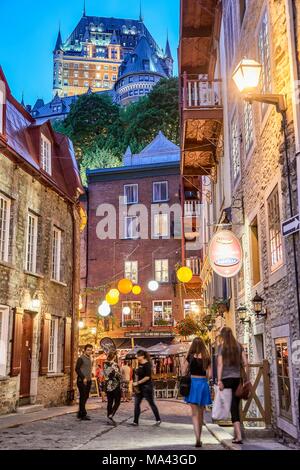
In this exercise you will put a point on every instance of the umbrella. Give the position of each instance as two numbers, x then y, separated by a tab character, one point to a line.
132	354
176	349
156	349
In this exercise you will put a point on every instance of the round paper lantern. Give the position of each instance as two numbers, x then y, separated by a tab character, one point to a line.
114	293
125	286
104	309
225	254
136	290
126	310
111	300
153	286
184	274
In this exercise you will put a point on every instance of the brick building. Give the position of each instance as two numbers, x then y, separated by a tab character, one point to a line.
39	259
149	181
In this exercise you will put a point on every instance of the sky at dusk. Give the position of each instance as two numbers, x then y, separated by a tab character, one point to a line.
28	31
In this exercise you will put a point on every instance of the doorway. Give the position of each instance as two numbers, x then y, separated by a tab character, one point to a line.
26	356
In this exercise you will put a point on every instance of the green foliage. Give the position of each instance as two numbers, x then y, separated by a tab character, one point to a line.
97	157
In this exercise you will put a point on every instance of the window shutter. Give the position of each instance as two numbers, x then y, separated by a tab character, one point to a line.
67	346
17	343
44	349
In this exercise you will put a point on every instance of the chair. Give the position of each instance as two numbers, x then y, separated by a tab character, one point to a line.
160	389
171	389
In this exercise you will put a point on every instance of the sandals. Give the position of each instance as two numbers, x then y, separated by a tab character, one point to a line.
198	444
235	441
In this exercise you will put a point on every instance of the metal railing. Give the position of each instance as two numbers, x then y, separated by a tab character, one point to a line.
194	264
192	208
198	92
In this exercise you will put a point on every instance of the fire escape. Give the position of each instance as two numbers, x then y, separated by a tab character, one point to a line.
201	120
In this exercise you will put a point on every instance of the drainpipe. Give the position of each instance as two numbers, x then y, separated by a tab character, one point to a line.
74	303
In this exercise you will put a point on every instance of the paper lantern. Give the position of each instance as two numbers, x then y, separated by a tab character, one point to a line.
104	309
184	274
136	290
111	300
125	286
225	254
153	286
114	293
126	310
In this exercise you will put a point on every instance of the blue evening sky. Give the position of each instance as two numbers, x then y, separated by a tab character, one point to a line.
28	31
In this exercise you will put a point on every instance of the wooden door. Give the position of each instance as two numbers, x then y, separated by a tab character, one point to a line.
26	353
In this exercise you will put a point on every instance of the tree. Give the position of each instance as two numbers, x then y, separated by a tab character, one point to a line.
97	157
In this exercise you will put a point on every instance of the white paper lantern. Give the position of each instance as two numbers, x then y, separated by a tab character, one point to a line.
126	310
153	286
104	309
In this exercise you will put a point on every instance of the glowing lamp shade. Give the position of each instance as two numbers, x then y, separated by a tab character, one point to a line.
111	300
114	293
247	75
125	286
93	330
81	324
153	286
136	290
225	254
126	310
104	309
35	304
184	274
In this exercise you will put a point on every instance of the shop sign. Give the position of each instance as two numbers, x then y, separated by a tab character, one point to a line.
225	254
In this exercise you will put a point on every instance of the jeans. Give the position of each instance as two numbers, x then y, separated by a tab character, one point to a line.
84	391
113	401
233	383
147	392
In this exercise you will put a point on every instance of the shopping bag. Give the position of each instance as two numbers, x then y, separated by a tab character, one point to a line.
222	404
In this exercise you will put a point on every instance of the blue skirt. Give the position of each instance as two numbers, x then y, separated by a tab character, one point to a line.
199	393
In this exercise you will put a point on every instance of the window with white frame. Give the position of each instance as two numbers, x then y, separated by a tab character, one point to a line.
265	56
162	270
160	225
131	271
248	126
160	191
274	221
131	227
131	193
134	317
46	154
31	243
162	313
5	204
235	148
191	307
283	377
53	346
56	254
4	328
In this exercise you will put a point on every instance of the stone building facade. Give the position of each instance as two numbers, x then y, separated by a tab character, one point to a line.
39	260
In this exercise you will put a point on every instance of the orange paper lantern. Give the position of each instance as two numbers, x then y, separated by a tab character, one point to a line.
125	286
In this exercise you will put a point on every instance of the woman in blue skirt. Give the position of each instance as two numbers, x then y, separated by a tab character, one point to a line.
198	364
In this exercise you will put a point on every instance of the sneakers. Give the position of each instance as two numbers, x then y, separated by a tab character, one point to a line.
85	418
111	421
133	424
158	423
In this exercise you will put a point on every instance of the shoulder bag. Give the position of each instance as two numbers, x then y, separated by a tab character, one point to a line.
244	389
185	382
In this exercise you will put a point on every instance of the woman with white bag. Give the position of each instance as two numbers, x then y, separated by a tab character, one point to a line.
232	364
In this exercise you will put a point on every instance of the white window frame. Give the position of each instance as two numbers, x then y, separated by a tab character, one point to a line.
56	254
160	183
131	271
264	57
280	261
46	154
2	102
248	127
4	332
132	316
187	311
135	192
53	346
127	235
32	265
235	148
162	302
160	233
160	270
5	205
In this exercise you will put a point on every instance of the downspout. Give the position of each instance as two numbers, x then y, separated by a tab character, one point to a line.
74	303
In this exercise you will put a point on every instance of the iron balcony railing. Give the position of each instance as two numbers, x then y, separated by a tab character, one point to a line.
192	208
198	92
194	263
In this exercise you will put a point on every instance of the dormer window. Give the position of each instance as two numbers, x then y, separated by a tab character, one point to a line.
45	154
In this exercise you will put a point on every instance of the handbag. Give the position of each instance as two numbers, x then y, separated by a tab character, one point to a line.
244	389
185	383
222	404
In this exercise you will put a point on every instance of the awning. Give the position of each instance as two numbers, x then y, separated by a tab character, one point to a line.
125	343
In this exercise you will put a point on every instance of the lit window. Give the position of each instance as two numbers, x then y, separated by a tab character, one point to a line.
283	377
235	149
131	227
31	244
131	271
160	225
248	126
134	318
275	237
162	270
162	313
265	57
160	191
131	193
191	307
5	204
53	346
56	254
86	74
45	154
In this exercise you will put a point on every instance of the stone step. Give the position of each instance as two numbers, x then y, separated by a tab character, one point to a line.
29	409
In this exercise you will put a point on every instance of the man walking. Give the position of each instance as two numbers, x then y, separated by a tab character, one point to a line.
84	380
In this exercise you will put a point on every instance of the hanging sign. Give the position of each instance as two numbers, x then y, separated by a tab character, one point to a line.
107	344
225	254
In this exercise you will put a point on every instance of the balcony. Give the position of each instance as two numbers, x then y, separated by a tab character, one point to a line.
202	98
194	263
192	208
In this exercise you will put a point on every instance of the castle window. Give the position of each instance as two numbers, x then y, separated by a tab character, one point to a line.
45	154
86	75
75	82
146	78
106	77
146	64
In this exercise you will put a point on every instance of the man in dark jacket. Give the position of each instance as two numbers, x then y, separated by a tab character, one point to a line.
84	380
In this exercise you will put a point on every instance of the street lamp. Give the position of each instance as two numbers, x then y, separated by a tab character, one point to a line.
243	314
258	302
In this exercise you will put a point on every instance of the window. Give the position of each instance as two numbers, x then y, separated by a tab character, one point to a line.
31	243
283	377
4	327
131	271
131	193
53	346
134	318
56	255
235	149
161	225
2	95
255	254
86	84
275	239
248	126
265	57
162	313
194	264
45	154
160	191
86	74
131	226
191	307
162	270
4	227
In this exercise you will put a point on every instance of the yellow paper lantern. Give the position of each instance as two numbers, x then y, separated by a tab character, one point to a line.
136	290
114	294
111	300
125	286
184	274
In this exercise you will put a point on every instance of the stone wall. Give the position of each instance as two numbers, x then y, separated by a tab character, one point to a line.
8	394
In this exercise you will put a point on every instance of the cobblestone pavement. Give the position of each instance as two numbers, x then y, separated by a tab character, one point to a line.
66	432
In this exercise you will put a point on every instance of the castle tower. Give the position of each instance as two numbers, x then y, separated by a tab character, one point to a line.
58	66
169	61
